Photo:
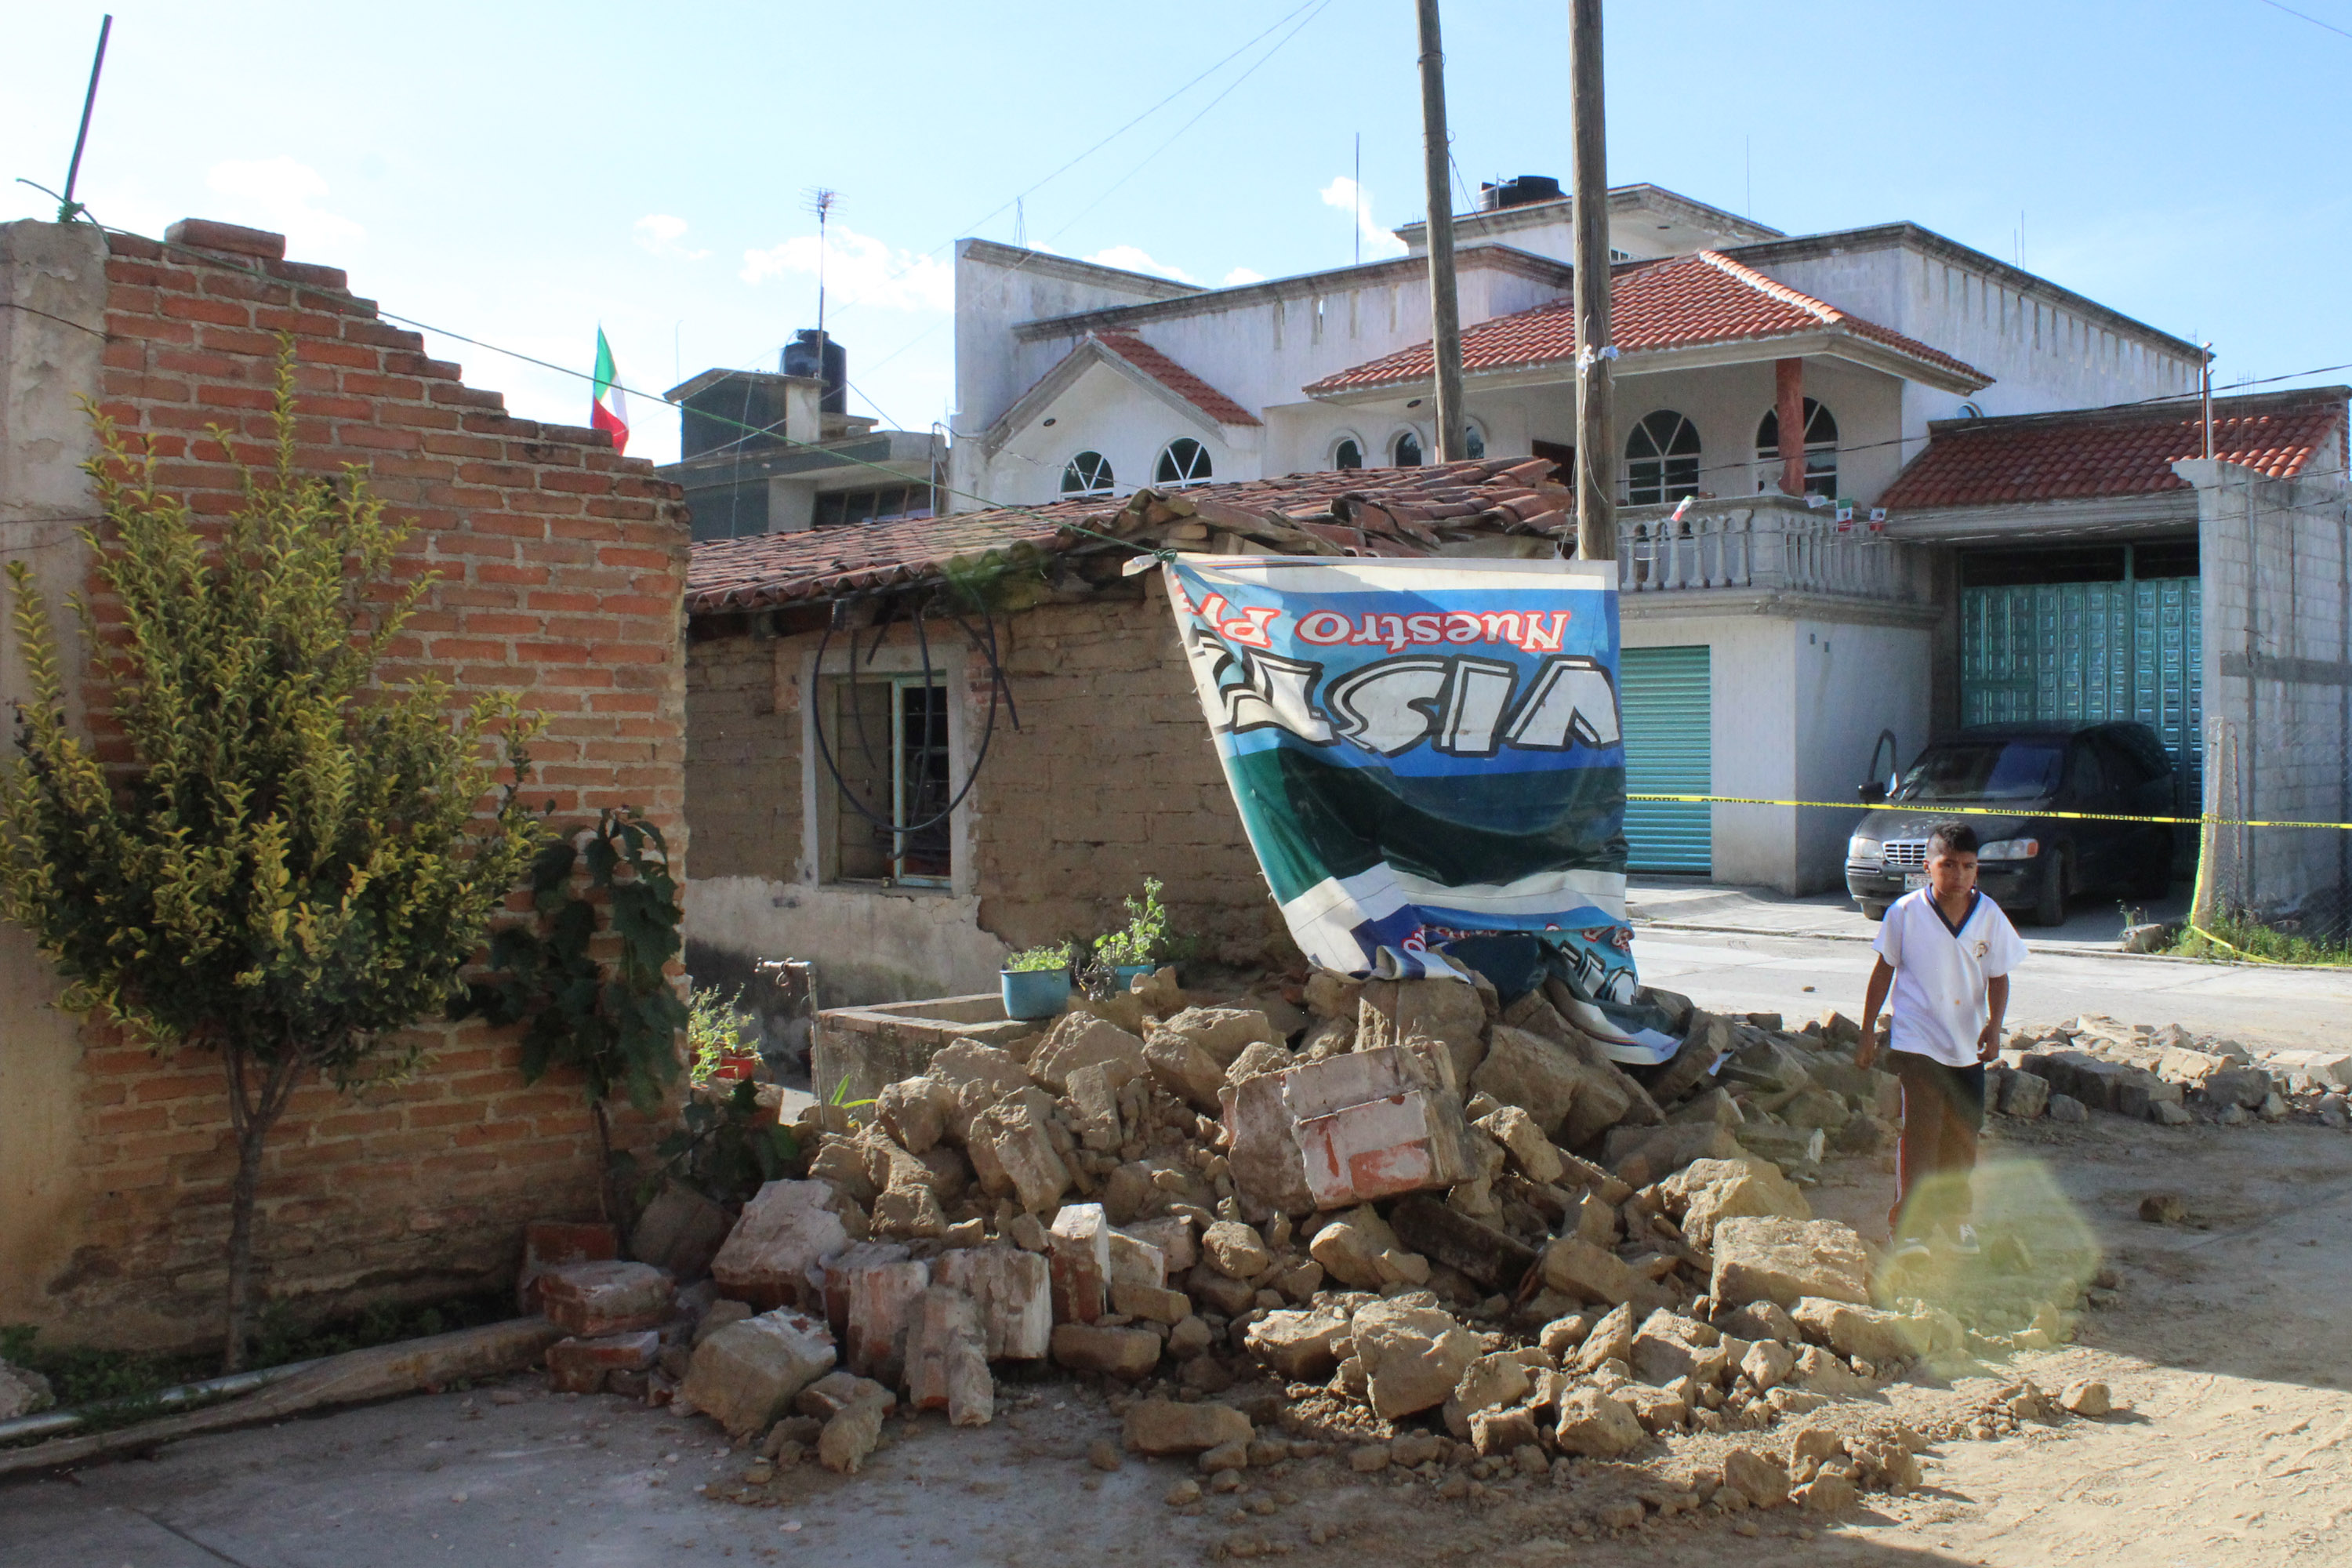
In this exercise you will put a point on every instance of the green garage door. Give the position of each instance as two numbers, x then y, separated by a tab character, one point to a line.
1668	707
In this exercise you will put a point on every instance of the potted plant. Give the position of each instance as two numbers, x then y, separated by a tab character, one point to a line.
1035	981
1140	946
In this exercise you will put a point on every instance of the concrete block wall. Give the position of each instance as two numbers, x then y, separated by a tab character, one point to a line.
2276	568
560	569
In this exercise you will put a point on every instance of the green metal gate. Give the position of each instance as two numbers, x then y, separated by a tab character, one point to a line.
2088	653
1667	703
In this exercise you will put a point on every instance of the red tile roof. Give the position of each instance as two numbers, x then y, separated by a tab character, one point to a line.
1175	378
1367	511
1702	298
2113	452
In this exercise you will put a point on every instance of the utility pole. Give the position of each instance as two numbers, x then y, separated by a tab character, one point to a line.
1596	435
1444	309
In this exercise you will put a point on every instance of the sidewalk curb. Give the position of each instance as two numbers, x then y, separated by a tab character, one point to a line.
2052	950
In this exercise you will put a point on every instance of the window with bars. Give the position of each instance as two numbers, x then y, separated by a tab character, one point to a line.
889	737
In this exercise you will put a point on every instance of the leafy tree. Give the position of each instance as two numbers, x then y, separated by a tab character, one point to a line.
617	1027
282	860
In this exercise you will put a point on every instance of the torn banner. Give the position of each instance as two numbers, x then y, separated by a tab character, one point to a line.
1427	760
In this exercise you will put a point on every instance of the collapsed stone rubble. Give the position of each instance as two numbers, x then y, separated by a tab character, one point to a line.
1399	1226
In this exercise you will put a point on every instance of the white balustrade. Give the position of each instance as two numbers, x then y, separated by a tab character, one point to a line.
1768	547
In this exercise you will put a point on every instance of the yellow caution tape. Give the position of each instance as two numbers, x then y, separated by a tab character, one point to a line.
1929	809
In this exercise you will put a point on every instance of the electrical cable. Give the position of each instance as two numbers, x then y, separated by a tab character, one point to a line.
824	748
2303	16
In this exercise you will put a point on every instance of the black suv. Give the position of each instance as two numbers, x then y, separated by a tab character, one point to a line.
2030	860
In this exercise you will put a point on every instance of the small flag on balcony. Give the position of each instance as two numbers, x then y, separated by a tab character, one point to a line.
611	410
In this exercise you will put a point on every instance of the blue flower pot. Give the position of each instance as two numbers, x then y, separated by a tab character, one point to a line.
1126	975
1034	993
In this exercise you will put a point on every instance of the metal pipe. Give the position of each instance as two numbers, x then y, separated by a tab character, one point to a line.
50	1422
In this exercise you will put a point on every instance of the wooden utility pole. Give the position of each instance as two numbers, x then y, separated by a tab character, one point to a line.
1444	309
1596	434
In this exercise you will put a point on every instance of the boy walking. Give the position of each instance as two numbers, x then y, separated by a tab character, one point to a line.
1945	950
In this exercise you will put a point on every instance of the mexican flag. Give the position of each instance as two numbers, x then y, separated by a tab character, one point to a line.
611	410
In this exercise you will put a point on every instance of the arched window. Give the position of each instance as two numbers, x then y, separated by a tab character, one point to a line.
1662	459
1185	462
1088	473
1405	450
1821	446
1348	453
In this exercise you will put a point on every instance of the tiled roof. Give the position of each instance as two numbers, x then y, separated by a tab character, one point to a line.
1176	378
1702	298
2113	452
1364	511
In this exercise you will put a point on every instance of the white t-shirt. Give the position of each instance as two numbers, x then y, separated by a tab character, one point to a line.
1937	1009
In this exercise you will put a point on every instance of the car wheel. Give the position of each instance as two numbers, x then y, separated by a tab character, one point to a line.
2050	903
1872	909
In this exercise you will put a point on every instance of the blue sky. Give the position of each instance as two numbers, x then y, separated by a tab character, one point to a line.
521	173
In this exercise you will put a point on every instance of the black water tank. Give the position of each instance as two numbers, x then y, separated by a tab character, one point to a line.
800	359
1524	191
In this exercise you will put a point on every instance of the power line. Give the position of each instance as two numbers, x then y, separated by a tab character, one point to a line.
2306	16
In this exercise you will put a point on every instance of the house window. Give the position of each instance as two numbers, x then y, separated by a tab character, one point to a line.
1473	441
1821	448
1405	450
1347	454
888	738
1088	474
1185	462
1662	459
839	508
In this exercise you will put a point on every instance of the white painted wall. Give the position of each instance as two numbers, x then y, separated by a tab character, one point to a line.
1104	410
1796	705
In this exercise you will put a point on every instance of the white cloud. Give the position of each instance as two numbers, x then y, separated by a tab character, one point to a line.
860	270
658	233
278	193
1240	275
1349	196
1134	258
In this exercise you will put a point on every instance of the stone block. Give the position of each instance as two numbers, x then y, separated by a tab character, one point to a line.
847	1440
1594	1426
1705	1193
2024	1096
832	1281
1761	1478
681	1232
1150	1303
1784	1260
786	1227
1517	1132
1221	1033
1236	1250
1081	1039
1413	1356
1402	1143
1012	1292
1445	1013
835	1391
748	1373
1578	1269
1220	1292
1178	1242
591	1301
979	1076
1875	1335
1126	1353
577	1366
1012	1154
947	1360
1298	1344
1161	1426
915	1112
1136	1262
1649	1154
1492	1382
1361	1251
1079	1251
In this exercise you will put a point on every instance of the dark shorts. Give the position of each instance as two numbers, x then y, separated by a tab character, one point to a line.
1962	1089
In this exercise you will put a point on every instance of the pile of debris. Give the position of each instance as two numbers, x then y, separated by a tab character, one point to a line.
2164	1075
1397	1221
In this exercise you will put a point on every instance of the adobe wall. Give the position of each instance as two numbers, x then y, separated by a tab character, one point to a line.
1111	777
559	568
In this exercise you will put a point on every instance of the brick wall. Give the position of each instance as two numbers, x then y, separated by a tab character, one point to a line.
560	569
1111	777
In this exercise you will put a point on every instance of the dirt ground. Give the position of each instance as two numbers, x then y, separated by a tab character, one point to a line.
2227	1341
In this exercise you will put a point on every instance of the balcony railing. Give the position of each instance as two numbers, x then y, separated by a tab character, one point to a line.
1760	543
